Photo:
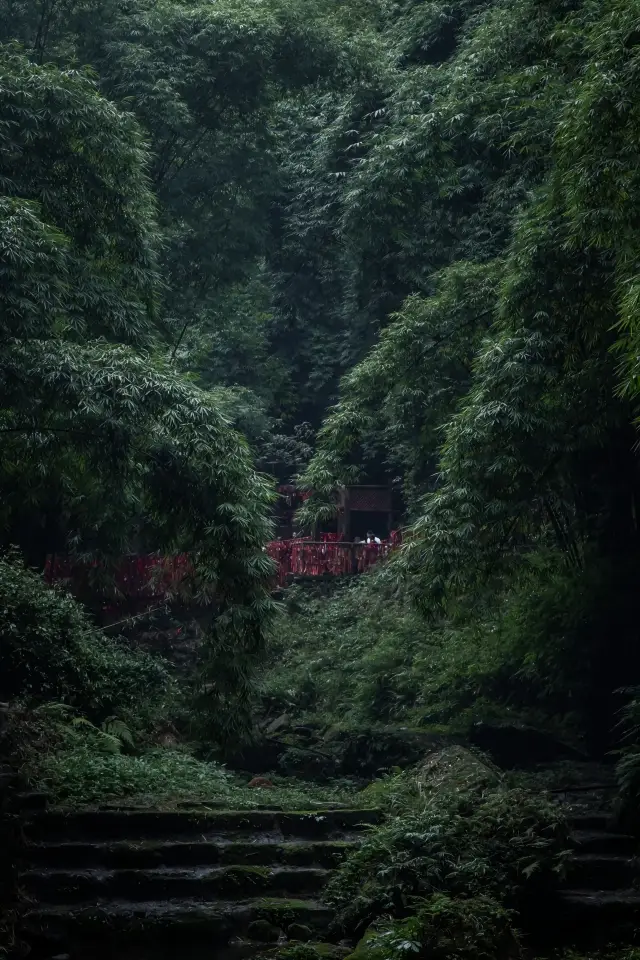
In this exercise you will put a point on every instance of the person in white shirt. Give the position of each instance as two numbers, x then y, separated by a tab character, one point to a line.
371	538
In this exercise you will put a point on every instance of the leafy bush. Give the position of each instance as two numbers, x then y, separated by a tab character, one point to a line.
84	770
49	651
81	763
354	656
498	843
365	655
476	928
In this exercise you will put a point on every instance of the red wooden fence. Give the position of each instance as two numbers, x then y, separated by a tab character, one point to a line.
137	577
307	558
154	577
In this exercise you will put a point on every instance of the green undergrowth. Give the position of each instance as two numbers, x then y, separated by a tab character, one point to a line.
304	951
366	655
81	765
449	872
51	652
499	843
454	869
476	927
93	721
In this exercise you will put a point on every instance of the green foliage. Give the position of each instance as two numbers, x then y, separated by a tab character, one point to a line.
417	217
207	83
612	953
50	652
349	657
80	763
76	208
105	443
497	844
495	186
366	656
444	927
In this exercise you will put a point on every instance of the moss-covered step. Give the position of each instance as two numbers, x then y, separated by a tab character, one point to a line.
168	883
601	871
261	920
598	841
304	949
131	854
596	917
140	824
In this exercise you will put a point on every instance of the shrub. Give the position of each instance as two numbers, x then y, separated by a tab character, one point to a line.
498	843
477	928
82	771
80	763
366	656
50	651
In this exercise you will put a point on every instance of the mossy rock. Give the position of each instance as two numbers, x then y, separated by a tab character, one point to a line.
456	766
362	948
330	951
299	931
263	931
282	911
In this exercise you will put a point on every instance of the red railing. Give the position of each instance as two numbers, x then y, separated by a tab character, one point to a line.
156	578
136	577
307	558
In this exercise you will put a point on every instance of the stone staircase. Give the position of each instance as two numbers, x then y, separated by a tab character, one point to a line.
600	898
203	883
198	883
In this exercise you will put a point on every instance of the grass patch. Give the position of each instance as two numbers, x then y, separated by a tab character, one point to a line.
80	767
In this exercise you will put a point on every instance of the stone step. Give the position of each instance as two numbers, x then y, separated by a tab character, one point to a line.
601	909
221	805
99	929
600	841
589	820
164	883
120	807
208	824
8	780
176	948
129	854
598	871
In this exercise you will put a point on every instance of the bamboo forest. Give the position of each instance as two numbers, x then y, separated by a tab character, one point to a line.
320	479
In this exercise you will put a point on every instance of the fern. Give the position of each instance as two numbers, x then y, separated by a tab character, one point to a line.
118	729
105	742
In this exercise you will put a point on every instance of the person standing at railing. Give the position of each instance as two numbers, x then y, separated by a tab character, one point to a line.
371	537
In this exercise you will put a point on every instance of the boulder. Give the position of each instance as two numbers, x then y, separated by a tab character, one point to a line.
263	931
261	782
298	931
456	767
280	723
